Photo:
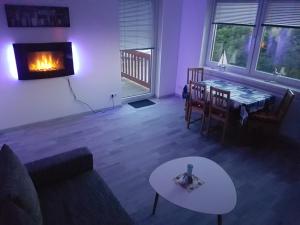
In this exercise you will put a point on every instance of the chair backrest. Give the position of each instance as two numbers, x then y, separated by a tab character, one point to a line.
195	74
219	99
285	104
197	91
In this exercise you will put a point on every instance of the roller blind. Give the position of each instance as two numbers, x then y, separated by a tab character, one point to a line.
236	12
136	24
283	13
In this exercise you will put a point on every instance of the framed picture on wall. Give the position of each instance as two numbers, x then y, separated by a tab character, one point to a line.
37	16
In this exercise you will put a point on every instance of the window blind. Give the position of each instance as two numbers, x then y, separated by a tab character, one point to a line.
283	13
136	24
236	12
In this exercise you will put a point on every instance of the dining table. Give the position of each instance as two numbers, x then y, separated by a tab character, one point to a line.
243	98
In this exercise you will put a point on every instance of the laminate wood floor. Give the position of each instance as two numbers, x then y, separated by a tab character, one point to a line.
128	144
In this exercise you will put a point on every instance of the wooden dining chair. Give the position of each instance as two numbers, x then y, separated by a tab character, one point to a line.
273	119
219	105
197	102
195	75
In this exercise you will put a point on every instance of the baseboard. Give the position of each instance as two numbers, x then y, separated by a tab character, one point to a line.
103	111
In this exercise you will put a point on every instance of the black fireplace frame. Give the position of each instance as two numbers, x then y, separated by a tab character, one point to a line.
22	49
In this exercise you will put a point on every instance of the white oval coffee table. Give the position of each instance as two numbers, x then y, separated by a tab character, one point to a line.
216	196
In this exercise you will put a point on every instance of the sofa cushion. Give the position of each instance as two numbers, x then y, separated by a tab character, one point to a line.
84	199
11	214
16	185
59	167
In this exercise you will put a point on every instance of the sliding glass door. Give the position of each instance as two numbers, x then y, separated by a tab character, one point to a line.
137	46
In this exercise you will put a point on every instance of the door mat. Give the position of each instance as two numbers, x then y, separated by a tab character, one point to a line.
142	103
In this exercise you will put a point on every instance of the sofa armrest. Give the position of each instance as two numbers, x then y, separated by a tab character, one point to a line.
60	167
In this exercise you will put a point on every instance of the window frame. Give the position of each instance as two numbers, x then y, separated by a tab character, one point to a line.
253	57
229	68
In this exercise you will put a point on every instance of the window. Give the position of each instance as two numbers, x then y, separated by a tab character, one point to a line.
234	42
280	43
258	37
233	28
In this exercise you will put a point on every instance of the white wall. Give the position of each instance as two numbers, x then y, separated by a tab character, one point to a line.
95	32
168	46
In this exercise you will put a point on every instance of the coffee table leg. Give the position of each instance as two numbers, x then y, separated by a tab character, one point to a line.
155	203
219	219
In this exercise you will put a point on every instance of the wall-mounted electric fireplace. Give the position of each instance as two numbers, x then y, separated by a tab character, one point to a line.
43	60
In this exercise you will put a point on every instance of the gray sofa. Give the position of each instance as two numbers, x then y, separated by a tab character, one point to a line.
68	192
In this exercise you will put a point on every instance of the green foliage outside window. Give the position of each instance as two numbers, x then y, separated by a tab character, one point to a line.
235	40
280	52
279	48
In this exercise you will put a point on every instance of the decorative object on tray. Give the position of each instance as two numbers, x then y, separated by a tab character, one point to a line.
187	180
37	16
223	61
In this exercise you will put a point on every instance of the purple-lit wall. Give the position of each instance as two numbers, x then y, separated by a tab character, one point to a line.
195	14
180	34
168	46
95	33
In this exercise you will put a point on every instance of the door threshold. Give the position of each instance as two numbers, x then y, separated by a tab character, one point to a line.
126	100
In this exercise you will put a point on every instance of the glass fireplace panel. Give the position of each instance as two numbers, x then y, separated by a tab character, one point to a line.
43	61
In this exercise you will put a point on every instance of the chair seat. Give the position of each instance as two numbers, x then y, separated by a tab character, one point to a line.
218	114
201	106
198	104
264	117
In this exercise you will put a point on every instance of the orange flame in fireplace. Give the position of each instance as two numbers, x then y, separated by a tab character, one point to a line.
45	61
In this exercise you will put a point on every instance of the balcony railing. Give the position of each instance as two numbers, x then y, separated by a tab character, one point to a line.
135	66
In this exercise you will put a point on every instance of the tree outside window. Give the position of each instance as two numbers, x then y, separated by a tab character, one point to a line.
235	40
280	52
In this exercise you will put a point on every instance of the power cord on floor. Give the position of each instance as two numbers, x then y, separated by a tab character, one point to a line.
77	99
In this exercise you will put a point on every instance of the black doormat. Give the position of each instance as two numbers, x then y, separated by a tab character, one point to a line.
142	103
